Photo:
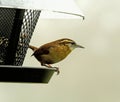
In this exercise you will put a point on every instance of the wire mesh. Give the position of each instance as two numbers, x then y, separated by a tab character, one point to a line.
6	23
27	29
7	17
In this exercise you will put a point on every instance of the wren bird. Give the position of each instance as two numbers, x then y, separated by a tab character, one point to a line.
54	52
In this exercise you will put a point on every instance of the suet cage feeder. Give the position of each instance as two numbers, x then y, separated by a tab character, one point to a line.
18	19
16	29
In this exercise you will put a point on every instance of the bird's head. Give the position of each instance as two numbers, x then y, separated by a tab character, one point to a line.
70	43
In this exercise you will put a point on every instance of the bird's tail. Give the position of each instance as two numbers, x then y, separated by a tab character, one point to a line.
33	48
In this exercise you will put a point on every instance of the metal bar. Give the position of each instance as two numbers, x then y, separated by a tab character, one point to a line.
14	38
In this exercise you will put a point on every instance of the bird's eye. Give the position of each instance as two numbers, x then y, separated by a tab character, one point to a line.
73	43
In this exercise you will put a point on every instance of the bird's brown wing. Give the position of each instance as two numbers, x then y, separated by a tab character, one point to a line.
45	49
41	51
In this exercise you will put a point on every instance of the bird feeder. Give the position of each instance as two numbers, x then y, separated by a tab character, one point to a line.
17	23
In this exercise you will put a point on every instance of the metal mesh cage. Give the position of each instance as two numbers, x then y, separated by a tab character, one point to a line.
16	28
29	23
6	23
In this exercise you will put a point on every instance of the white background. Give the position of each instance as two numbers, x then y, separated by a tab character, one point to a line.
87	75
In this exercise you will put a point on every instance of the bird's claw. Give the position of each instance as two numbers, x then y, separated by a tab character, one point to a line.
57	70
49	66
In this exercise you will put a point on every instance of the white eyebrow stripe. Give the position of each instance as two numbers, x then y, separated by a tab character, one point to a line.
67	40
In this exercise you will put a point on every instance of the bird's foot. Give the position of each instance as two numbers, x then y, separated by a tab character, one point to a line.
57	70
49	66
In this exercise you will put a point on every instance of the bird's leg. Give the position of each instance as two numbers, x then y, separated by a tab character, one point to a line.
57	69
49	66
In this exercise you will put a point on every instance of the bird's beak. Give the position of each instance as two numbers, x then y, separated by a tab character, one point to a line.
79	46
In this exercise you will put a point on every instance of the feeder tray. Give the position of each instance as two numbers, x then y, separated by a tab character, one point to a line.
16	29
25	74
